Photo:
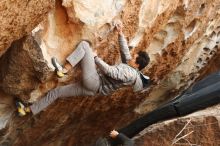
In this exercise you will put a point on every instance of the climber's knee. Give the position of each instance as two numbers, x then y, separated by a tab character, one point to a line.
85	46
85	43
90	93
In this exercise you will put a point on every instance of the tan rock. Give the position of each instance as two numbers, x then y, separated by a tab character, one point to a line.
23	68
181	37
200	128
94	14
6	109
19	17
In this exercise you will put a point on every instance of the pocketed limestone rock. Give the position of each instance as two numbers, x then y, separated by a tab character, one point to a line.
181	37
199	128
18	18
23	68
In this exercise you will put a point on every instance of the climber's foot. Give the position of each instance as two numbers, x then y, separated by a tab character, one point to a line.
22	110
60	74
59	69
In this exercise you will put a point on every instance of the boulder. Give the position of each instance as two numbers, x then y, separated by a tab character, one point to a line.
181	37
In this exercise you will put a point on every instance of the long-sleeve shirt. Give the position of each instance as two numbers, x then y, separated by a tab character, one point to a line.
124	140
124	50
116	76
120	140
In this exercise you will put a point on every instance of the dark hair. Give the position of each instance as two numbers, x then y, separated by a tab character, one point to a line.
142	60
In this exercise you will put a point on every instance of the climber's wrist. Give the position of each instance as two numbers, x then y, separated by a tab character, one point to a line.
120	32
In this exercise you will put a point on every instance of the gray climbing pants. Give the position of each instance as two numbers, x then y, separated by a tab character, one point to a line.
87	87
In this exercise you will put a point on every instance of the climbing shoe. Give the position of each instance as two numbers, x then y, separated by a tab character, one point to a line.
22	110
59	69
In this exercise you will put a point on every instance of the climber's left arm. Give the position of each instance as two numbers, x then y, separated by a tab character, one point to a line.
124	50
121	138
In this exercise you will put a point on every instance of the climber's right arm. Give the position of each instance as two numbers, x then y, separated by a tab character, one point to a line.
103	66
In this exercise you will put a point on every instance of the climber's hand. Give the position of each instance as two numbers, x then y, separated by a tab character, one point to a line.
95	53
119	26
114	134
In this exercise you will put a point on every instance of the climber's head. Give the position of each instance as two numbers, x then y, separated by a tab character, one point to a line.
140	60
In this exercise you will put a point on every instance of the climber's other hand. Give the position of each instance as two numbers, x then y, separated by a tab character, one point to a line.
114	134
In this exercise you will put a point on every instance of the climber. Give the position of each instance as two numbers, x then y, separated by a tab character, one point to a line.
115	136
104	82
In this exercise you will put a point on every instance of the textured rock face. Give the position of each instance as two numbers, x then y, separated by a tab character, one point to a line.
25	67
181	37
19	17
6	109
200	128
93	14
